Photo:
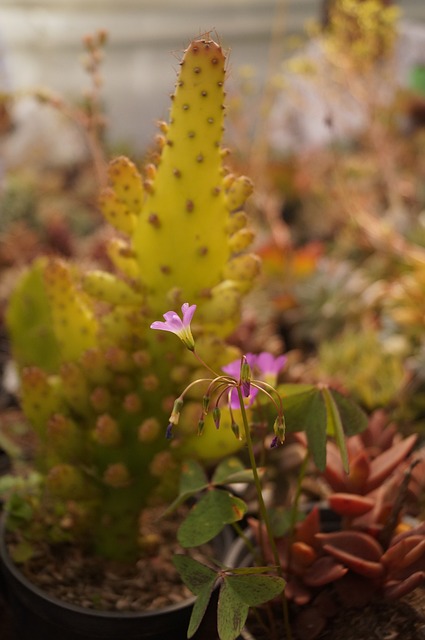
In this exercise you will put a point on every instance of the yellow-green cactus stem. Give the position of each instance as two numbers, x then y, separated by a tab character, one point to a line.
75	389
67	482
64	437
101	403
109	288
41	397
116	212
73	319
185	219
127	183
123	258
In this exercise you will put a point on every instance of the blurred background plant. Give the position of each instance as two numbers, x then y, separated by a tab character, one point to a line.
339	203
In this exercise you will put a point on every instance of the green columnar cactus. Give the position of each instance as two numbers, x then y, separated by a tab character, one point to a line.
101	402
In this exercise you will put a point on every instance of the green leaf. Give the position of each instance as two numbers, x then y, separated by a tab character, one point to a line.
192	480
254	590
237	594
334	426
299	408
305	411
353	418
194	574
232	613
321	412
232	471
208	517
193	477
199	609
227	469
200	579
295	389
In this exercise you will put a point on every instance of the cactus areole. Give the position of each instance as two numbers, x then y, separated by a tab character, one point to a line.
100	401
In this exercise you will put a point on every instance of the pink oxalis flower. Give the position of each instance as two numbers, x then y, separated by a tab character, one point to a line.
177	325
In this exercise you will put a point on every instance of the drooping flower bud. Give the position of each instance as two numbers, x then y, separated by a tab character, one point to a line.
205	404
279	428
201	425
236	430
175	414
216	417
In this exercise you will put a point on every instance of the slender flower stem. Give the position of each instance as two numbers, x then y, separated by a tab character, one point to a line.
204	364
294	510
262	508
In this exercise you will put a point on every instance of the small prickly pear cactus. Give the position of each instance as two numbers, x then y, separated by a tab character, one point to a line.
101	403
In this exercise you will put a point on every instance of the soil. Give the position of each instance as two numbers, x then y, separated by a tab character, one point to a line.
379	620
69	574
400	620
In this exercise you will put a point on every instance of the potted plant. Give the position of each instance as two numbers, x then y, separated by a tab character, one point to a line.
315	570
96	383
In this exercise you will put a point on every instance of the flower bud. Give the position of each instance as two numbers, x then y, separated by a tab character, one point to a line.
279	428
236	430
246	378
216	417
175	414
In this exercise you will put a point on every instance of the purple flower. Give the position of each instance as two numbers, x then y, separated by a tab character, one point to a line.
181	327
269	366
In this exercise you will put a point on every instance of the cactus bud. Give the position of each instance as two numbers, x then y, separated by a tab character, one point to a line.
149	430
119	360
241	240
238	192
100	399
150	382
161	464
236	222
117	476
132	403
142	359
66	482
106	431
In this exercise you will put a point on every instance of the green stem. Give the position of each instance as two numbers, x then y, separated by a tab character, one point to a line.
262	507
294	510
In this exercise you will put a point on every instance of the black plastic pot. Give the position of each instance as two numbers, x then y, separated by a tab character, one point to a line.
39	616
